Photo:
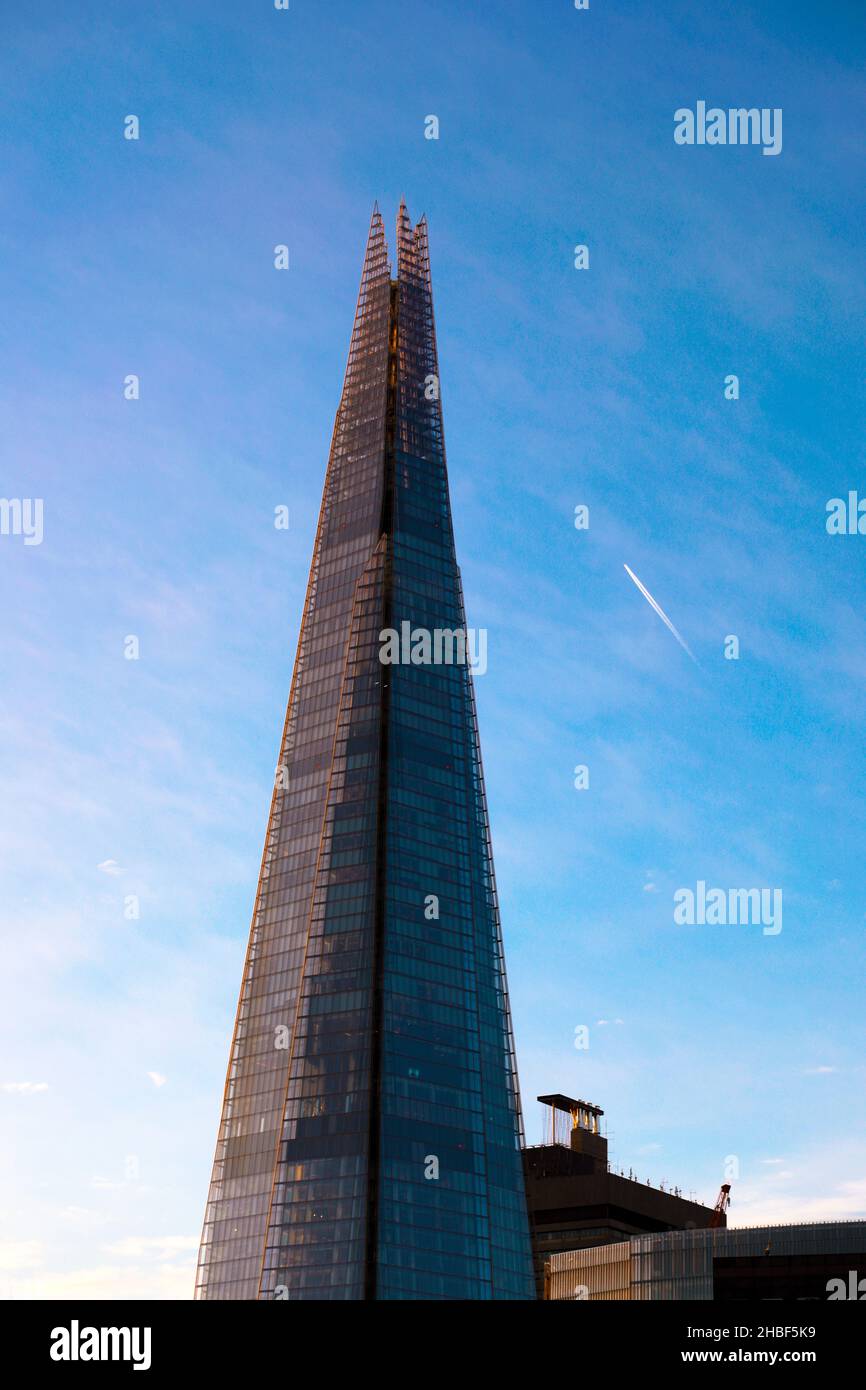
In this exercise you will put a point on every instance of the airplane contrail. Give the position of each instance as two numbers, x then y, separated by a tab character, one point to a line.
662	614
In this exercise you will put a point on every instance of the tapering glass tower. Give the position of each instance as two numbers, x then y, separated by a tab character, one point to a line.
369	1146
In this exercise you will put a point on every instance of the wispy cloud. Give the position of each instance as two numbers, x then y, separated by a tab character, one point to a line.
814	1189
152	1247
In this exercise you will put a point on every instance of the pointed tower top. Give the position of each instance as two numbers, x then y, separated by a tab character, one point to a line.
404	240
376	262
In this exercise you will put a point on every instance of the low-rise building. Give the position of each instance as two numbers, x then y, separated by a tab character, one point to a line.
577	1201
815	1261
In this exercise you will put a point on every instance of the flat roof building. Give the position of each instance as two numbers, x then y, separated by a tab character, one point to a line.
822	1261
577	1202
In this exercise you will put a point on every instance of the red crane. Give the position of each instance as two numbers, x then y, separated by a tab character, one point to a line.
723	1201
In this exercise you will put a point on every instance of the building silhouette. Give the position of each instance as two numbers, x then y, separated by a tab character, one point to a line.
369	1145
577	1201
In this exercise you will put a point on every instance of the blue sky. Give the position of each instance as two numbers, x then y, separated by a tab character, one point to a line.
560	387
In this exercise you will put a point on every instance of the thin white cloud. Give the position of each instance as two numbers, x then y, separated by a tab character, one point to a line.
845	1202
20	1254
24	1088
110	867
157	1078
158	1247
151	1282
81	1218
807	1188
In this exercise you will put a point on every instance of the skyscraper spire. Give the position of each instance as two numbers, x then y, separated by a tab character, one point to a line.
369	1142
404	233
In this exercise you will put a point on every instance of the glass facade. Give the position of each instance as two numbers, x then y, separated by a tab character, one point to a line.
685	1265
370	1139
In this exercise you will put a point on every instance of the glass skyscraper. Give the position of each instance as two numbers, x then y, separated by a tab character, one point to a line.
369	1146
